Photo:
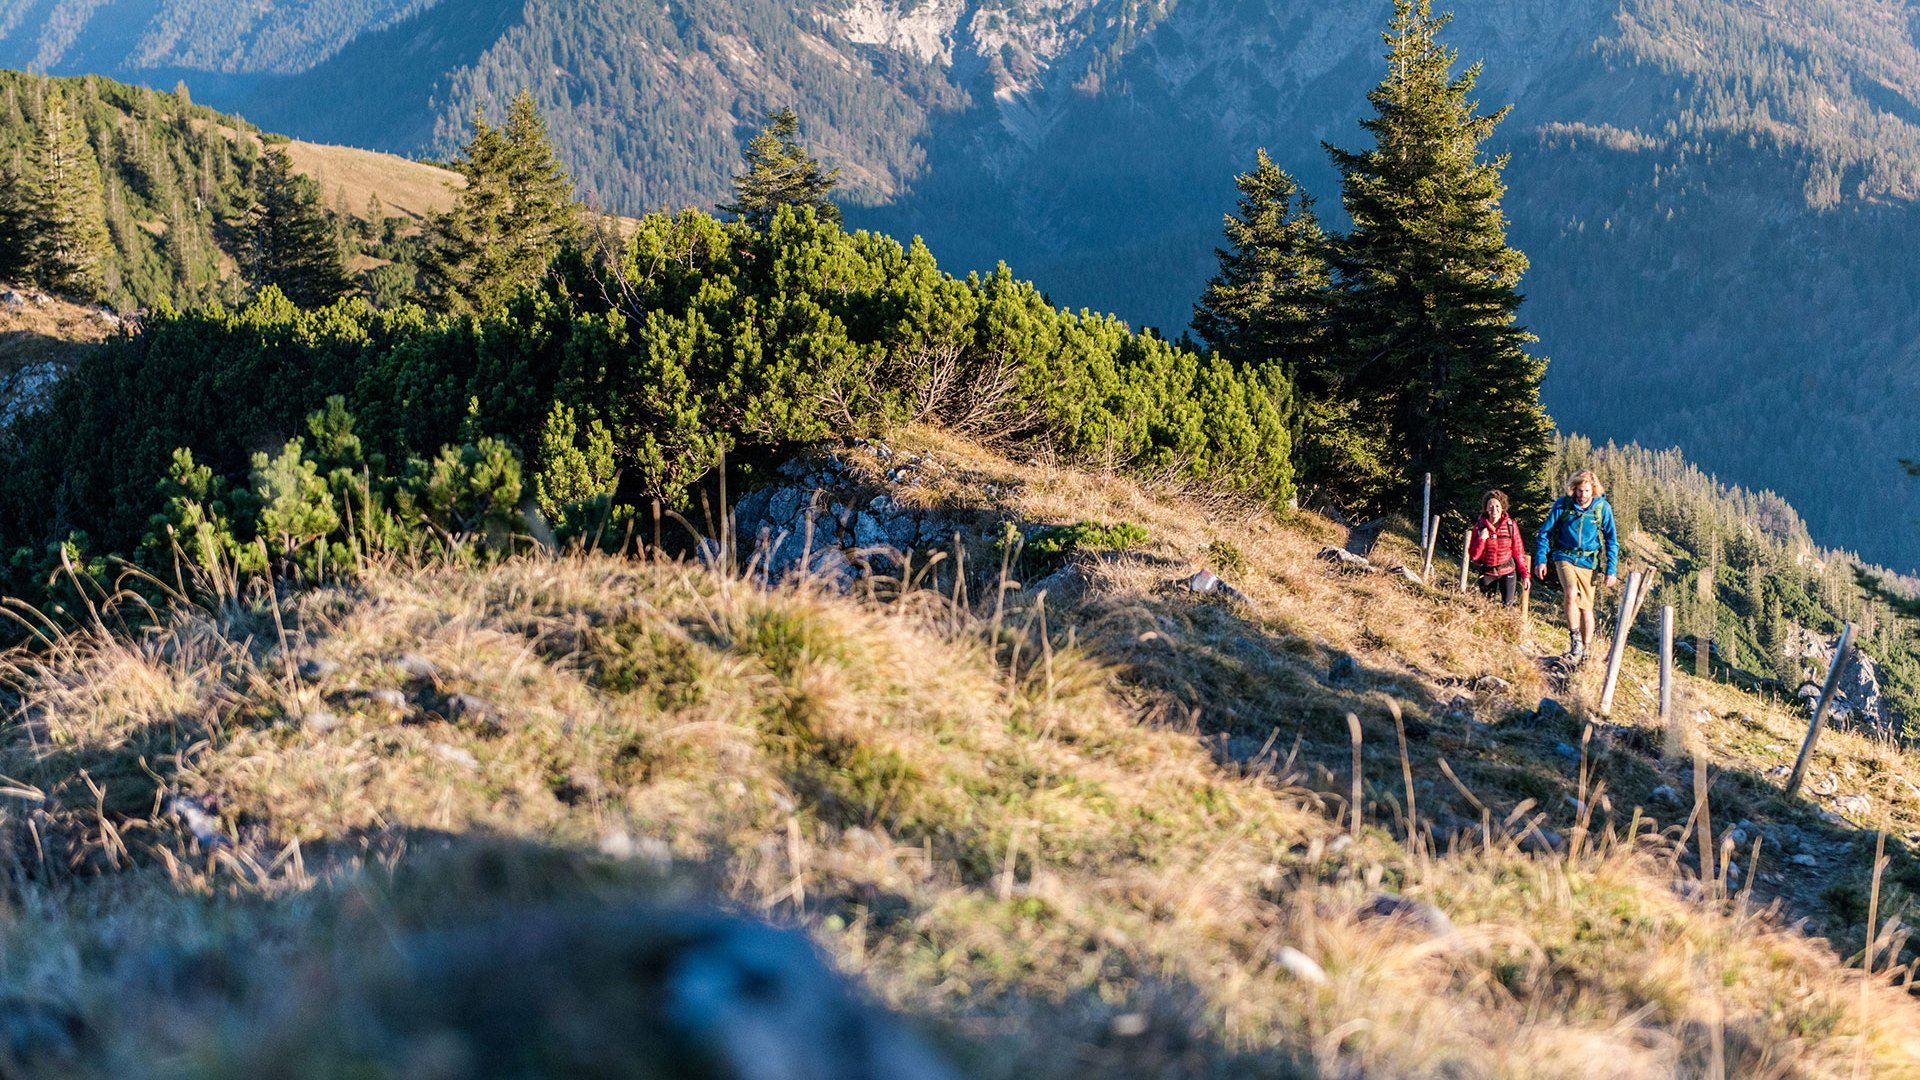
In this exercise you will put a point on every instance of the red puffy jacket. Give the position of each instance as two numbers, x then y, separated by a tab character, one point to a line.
1497	550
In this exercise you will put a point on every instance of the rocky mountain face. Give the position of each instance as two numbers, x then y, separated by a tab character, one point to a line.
1716	196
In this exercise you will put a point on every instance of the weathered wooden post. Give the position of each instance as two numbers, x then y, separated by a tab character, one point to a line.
1622	623
1466	545
1676	741
1820	711
1666	661
1426	561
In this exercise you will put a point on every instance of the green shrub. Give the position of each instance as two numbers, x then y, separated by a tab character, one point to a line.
711	338
1046	547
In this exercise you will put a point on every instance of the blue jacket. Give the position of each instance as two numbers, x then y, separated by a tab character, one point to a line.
1578	536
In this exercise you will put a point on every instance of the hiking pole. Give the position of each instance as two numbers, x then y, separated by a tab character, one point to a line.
1820	710
1622	623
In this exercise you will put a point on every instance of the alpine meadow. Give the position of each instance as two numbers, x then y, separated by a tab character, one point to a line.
652	571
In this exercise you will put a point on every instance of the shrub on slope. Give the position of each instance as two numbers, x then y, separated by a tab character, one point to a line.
706	338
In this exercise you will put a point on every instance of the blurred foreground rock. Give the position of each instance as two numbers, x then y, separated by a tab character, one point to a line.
629	992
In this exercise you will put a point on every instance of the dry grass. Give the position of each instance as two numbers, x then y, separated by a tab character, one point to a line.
412	188
38	332
1030	840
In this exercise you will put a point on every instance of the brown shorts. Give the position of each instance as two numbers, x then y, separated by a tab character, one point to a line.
1577	583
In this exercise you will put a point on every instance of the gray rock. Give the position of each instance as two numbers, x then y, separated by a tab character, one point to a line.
415	666
1299	965
1408	575
1206	582
1241	749
467	709
457	756
1542	840
1804	859
321	721
1551	713
315	670
1342	670
1343	559
1491	684
1665	794
867	532
1414	915
1858	806
783	507
555	994
1567	750
936	533
198	820
830	566
392	699
750	513
902	530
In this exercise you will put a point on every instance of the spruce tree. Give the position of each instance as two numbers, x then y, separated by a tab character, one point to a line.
68	231
1270	304
16	253
1432	356
288	241
779	173
511	219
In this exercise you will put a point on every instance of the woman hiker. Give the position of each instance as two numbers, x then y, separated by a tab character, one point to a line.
1577	531
1498	550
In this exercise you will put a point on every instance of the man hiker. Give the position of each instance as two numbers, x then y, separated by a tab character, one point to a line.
1498	551
1577	531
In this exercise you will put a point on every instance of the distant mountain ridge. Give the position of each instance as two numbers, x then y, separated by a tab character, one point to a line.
1717	197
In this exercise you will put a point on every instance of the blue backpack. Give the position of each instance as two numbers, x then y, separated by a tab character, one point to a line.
1578	530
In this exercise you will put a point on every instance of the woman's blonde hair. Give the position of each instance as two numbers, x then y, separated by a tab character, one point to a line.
1599	489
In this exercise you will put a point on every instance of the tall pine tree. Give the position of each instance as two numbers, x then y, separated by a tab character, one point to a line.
289	241
1432	356
68	244
511	219
1270	304
780	172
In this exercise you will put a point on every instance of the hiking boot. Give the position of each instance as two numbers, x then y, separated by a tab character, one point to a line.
1577	653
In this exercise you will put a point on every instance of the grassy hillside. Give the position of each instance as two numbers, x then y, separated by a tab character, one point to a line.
178	187
1068	833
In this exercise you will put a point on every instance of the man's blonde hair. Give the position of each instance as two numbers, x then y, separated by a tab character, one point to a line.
1599	489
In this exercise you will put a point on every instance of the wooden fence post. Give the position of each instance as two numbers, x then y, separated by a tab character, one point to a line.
1671	724
1466	545
1820	710
1426	562
1622	623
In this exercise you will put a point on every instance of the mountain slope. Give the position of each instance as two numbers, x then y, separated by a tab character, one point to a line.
1124	853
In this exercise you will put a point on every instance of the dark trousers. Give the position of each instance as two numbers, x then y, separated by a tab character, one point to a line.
1505	586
